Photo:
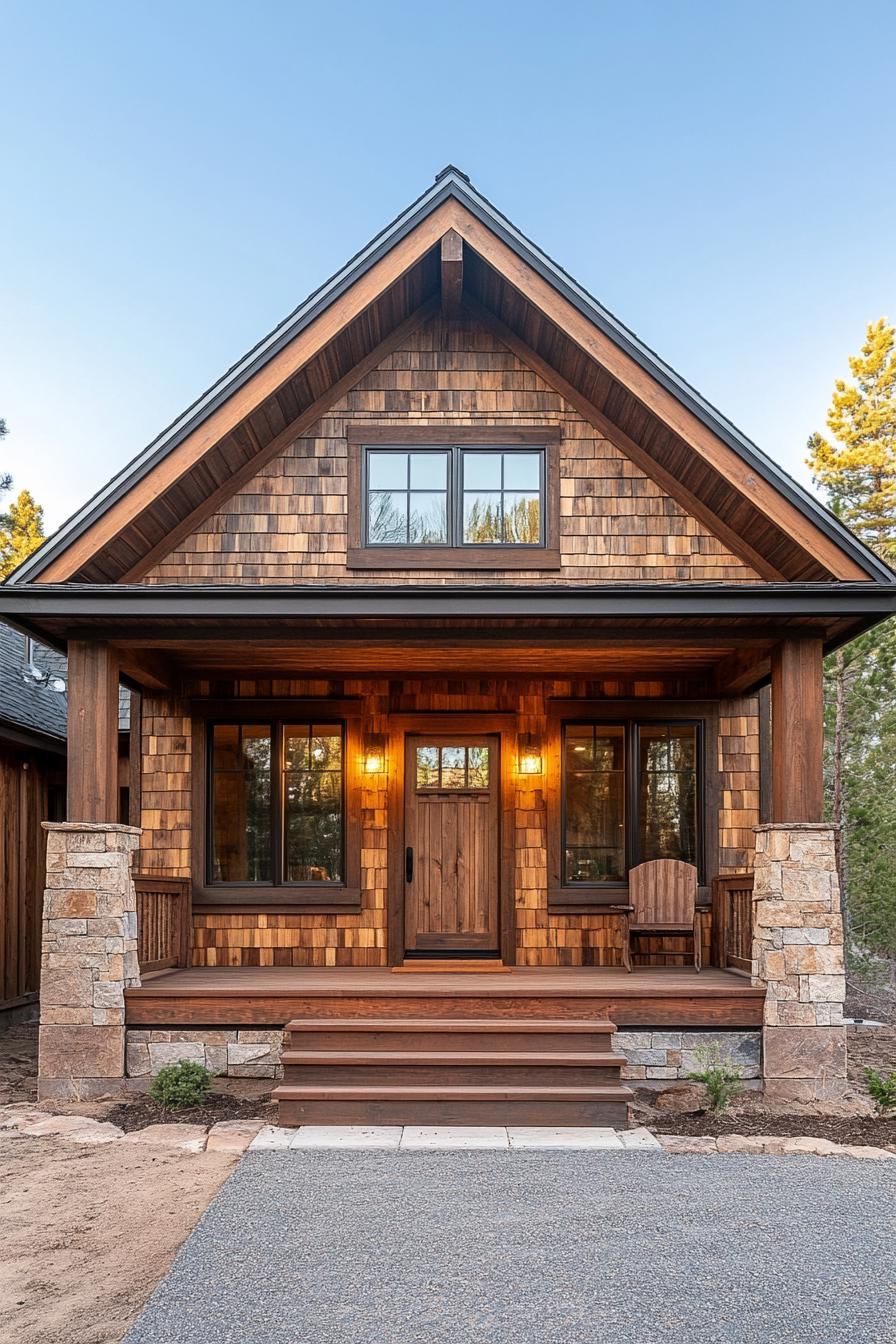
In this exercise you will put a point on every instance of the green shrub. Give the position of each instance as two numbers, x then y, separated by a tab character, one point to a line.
720	1076
180	1085
882	1090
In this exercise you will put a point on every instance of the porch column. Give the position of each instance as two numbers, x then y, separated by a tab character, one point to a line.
88	957
92	732
797	928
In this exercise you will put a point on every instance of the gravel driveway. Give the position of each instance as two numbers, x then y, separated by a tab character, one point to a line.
535	1248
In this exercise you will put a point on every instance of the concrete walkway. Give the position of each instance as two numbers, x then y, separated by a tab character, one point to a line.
563	1247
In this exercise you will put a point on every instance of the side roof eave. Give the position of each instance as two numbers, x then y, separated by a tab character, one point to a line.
450	183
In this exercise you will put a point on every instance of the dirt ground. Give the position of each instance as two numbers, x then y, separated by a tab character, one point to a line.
88	1231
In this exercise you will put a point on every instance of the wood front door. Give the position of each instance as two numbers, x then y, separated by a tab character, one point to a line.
452	844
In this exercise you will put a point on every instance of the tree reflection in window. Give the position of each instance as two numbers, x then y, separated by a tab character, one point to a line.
667	792
312	803
241	803
594	775
452	767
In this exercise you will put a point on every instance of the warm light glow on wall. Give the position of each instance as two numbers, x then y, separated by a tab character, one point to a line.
529	755
374	755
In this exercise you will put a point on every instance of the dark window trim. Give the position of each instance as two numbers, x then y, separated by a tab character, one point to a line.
292	896
495	556
705	714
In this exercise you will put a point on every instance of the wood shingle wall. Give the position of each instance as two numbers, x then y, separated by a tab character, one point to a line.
544	938
289	524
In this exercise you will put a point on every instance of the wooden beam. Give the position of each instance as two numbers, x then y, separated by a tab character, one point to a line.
452	274
641	458
742	670
150	670
652	395
277	445
257	389
92	732
797	731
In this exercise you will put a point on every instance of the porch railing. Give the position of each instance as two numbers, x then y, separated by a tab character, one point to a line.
732	922
164	932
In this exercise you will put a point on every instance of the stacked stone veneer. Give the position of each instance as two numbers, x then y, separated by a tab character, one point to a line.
237	1052
665	1056
798	957
88	958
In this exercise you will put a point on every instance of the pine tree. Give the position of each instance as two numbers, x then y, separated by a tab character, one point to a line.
21	531
857	473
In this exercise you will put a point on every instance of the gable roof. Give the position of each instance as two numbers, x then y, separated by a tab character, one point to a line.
284	383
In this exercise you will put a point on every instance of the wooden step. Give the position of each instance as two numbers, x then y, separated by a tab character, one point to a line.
447	1034
446	1105
387	1068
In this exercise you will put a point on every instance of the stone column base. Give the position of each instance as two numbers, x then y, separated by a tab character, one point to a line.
798	957
88	958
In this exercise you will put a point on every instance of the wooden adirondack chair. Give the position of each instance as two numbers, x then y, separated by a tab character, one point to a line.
663	899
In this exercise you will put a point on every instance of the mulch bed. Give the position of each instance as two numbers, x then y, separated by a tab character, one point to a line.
878	1132
143	1111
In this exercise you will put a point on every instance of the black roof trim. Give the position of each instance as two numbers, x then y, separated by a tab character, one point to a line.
450	182
123	601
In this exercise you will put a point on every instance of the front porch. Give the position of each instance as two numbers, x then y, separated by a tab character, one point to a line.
270	996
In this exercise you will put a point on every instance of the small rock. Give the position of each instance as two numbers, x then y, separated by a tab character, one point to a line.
96	1131
639	1139
59	1124
681	1100
189	1137
272	1137
20	1117
866	1153
687	1143
232	1136
741	1143
811	1147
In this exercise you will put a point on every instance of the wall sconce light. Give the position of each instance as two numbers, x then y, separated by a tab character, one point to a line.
529	755
374	754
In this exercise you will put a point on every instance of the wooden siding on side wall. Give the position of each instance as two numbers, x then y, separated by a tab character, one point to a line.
289	524
24	804
544	937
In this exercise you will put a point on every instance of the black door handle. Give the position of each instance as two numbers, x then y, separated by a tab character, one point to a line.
409	864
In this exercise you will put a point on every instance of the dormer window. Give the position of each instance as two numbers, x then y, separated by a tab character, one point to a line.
489	500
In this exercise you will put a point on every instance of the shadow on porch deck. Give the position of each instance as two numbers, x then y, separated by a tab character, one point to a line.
273	995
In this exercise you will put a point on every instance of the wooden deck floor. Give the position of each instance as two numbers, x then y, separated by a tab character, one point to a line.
271	995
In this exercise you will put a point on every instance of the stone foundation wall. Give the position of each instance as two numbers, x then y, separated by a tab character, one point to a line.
88	957
236	1052
798	958
665	1056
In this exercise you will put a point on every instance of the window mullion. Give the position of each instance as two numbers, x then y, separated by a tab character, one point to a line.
277	802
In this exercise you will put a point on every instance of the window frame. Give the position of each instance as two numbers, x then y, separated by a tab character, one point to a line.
632	716
454	554
277	895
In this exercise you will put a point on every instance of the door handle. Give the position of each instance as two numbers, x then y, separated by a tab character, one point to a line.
409	864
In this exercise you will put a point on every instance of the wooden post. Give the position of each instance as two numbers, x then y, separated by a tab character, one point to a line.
797	731
92	732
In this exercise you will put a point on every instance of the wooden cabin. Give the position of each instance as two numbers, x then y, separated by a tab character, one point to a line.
477	662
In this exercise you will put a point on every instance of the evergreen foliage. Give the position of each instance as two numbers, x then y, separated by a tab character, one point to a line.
857	473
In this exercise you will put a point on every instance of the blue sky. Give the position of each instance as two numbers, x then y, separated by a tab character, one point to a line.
176	177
